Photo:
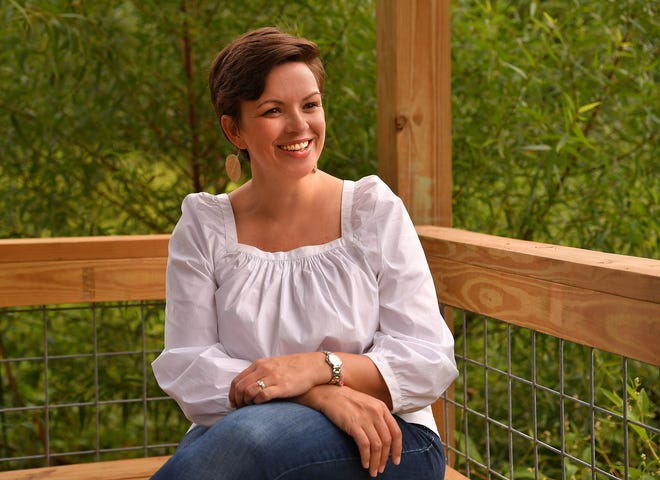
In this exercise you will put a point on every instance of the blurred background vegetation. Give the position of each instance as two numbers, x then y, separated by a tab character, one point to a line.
106	114
556	114
107	125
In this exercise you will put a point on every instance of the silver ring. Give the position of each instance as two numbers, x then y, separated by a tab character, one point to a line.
261	384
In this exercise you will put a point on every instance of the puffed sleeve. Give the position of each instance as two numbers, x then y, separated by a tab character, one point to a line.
194	368
413	348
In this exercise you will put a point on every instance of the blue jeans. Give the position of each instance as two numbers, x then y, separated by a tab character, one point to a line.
287	441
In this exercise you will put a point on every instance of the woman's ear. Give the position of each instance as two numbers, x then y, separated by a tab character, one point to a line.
231	131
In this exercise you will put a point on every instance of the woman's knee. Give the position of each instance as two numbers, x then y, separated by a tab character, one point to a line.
256	431
263	429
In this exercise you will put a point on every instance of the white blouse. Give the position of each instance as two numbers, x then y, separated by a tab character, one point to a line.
369	291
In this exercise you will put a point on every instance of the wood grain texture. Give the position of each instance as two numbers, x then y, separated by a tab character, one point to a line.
82	248
74	270
133	469
414	121
451	474
610	302
622	275
76	281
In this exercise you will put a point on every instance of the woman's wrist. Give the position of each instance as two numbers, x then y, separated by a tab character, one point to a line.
316	370
315	397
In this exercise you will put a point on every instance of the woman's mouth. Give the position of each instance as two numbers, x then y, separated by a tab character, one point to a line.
295	147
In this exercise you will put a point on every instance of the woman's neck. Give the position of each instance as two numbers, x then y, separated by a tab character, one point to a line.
283	199
279	218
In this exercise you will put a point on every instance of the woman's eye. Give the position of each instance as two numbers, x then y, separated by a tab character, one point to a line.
272	111
311	105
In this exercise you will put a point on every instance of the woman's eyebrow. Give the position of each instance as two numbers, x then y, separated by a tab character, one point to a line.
280	102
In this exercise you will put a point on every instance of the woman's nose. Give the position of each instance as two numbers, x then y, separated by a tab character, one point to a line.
295	121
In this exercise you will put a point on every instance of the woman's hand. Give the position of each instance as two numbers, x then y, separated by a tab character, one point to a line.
278	377
363	417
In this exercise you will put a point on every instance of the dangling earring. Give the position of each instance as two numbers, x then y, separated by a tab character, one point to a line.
233	167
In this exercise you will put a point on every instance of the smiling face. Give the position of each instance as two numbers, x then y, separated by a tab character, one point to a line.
284	129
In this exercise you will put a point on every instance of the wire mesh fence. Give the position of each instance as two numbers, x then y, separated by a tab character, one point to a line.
529	405
77	385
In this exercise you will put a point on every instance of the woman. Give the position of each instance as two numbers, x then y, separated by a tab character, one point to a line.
303	337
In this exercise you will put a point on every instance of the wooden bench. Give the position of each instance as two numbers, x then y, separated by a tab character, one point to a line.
451	474
133	469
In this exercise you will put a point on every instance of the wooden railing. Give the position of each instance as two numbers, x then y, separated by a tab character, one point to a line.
609	302
84	269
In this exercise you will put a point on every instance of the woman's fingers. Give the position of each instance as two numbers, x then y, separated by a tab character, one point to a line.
385	445
249	386
385	441
364	446
397	439
368	420
370	446
284	376
238	387
378	447
374	440
248	391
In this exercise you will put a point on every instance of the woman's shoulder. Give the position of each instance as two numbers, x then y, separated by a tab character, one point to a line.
372	194
372	187
202	200
203	212
373	202
203	205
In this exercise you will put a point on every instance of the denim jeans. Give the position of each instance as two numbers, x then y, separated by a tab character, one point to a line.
287	441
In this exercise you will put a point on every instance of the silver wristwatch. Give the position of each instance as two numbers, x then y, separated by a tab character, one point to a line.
335	363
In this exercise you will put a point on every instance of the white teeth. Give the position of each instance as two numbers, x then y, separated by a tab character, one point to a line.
296	146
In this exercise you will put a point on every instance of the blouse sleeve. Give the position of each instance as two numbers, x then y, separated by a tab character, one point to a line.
194	367
413	348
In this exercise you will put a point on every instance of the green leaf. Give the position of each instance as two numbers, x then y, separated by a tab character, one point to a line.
563	140
552	23
537	148
588	106
515	69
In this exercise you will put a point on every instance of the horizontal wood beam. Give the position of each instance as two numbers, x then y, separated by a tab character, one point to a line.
83	248
606	301
610	302
82	269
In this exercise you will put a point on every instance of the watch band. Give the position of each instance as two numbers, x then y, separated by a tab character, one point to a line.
335	363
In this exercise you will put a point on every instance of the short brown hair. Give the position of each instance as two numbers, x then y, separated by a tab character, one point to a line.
239	71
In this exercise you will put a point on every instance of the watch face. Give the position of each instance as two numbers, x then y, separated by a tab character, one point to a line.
334	360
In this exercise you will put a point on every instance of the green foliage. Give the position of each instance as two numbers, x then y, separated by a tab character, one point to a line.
555	113
105	110
94	384
107	125
550	385
555	117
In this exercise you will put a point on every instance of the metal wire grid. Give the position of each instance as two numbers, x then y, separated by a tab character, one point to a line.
463	453
460	449
44	411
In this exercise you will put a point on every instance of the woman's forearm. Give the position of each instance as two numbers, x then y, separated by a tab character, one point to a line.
360	373
292	375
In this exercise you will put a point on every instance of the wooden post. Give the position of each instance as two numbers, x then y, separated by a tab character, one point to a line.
414	121
414	105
